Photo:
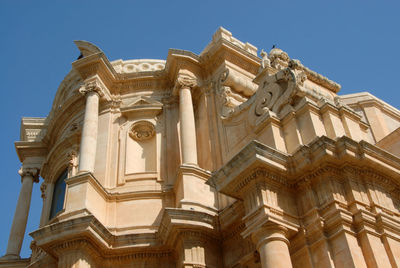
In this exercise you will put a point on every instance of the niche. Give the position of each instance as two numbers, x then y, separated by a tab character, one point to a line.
141	151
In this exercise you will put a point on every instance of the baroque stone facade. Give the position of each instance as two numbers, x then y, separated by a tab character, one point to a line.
223	159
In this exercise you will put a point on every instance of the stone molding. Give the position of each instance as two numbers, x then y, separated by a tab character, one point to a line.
303	160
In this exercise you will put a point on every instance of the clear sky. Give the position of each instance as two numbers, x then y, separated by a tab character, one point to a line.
355	43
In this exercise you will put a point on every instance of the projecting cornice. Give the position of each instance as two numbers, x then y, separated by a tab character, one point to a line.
63	235
28	149
96	64
179	61
257	161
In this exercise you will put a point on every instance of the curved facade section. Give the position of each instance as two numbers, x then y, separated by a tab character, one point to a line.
223	159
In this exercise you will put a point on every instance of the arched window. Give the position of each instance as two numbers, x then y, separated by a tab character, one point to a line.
57	202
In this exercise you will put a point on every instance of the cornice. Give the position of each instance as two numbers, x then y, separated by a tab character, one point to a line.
113	196
68	234
260	162
26	149
365	98
176	222
182	60
96	64
318	78
193	170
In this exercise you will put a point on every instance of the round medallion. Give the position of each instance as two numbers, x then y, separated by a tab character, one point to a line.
142	130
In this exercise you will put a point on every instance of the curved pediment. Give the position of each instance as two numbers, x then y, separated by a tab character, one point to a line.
86	48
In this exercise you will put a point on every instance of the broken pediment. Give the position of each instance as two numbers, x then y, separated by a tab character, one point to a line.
86	48
144	105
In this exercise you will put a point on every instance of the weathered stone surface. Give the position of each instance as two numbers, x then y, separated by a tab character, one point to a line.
223	159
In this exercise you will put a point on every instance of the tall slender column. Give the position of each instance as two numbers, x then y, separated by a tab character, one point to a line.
28	177
272	244
87	156
187	123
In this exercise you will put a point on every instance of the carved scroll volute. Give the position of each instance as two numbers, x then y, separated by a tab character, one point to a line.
92	86
278	90
185	79
226	109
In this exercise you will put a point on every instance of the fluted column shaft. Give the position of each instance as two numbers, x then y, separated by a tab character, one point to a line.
28	177
187	127
90	127
272	245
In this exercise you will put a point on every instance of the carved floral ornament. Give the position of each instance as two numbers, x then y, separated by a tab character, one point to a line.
186	80
93	86
142	130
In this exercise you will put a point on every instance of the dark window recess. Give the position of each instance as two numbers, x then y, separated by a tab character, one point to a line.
57	203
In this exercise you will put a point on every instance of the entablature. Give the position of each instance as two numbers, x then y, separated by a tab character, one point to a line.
258	161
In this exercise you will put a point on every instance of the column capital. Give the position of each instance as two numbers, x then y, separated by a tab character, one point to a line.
270	232
185	80
29	172
92	86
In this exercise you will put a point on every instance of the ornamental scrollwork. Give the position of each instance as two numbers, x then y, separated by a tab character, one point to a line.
186	80
279	90
142	130
93	86
29	172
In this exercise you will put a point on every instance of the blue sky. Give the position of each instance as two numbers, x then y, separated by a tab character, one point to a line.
355	43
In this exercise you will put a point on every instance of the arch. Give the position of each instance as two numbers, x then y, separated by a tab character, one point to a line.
57	202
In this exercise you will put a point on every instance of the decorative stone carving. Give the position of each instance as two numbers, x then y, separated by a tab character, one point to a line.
142	130
278	90
93	86
228	98
265	62
72	157
43	188
184	79
300	75
135	66
29	172
279	59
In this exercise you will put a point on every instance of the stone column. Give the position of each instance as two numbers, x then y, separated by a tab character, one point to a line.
186	117
272	244
88	145
28	177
